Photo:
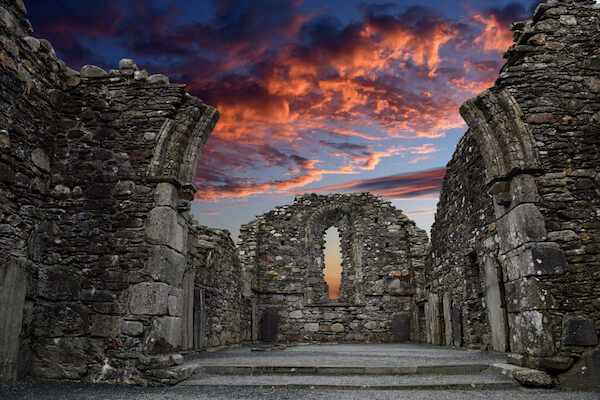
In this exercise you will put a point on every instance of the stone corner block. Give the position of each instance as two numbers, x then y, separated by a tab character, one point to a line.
149	298
162	227
165	194
166	335
166	265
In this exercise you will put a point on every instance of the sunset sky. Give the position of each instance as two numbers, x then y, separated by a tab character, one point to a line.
314	96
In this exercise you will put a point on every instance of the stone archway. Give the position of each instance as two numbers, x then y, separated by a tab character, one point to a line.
347	220
508	151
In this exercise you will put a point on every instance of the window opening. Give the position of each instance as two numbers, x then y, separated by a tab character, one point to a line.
333	262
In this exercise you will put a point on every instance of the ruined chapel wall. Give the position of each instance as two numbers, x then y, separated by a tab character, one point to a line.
557	60
537	133
284	250
95	173
29	79
462	233
219	277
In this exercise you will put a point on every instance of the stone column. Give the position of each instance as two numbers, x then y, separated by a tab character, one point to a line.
12	299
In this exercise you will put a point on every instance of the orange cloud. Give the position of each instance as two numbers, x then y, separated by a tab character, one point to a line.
496	37
417	159
306	174
210	212
414	184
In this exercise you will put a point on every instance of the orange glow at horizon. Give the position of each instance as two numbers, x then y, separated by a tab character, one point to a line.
333	262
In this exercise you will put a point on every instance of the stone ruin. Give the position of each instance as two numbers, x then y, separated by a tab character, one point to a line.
383	254
515	258
105	277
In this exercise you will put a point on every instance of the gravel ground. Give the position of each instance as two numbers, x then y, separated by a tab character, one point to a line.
32	389
352	380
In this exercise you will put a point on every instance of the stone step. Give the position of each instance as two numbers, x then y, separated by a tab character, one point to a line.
343	369
483	380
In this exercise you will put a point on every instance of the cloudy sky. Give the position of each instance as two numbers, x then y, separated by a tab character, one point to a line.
315	96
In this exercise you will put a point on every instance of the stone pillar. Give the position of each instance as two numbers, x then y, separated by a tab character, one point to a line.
436	319
188	311
447	319
427	311
526	256
495	305
12	299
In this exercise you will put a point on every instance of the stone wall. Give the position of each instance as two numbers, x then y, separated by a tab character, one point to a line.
463	232
99	252
220	281
381	252
536	136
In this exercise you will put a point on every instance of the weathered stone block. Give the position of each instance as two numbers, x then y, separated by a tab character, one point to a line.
521	225
162	227
166	265
132	328
537	259
579	331
585	374
56	320
106	325
311	327
59	283
165	194
40	159
371	325
166	335
148	298
531	334
127	63
533	378
124	188
527	294
157	79
92	71
554	363
161	361
65	358
175	303
337	328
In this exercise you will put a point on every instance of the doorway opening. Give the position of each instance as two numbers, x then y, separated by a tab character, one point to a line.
333	262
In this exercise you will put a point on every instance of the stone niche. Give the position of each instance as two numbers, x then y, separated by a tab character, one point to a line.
382	259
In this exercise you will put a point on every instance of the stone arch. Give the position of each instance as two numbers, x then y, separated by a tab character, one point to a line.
507	146
508	151
180	141
347	220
